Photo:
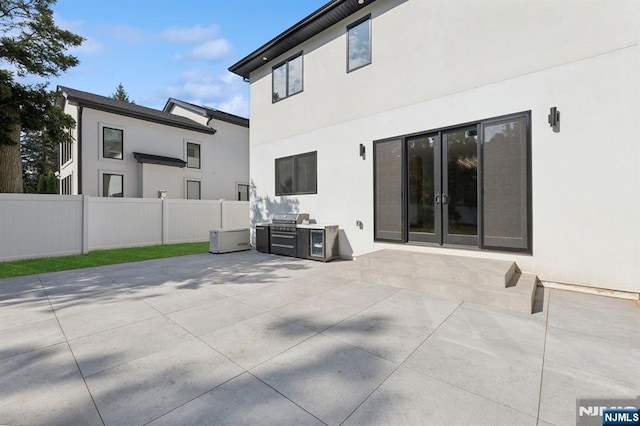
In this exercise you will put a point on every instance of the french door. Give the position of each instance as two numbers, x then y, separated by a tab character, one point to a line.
466	185
442	187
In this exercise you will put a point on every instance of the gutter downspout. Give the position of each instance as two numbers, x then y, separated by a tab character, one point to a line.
79	141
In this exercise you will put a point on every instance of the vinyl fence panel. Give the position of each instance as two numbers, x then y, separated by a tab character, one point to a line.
40	225
235	214
124	222
191	220
55	225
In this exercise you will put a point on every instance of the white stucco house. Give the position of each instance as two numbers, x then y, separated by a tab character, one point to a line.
498	129
126	150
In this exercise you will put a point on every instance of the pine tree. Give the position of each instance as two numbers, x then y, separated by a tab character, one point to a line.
39	155
34	46
121	94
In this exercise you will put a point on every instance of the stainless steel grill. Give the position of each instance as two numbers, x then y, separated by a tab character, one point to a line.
283	232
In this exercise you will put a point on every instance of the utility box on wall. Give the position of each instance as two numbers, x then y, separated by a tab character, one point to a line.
228	240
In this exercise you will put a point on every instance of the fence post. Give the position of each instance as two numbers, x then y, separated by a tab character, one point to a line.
85	224
165	221
221	214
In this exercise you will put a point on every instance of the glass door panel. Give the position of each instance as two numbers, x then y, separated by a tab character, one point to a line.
388	175
460	186
423	187
505	183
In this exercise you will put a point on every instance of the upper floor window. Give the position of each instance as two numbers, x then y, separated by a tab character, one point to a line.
287	78
359	44
65	152
297	174
112	143
193	155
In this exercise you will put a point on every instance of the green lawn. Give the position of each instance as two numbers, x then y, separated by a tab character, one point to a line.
98	258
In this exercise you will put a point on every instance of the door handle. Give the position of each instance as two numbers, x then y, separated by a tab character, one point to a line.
437	199
445	198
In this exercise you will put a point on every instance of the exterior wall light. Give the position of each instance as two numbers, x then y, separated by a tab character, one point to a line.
362	151
554	119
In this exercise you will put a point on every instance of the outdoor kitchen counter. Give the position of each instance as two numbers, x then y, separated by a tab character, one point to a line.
314	226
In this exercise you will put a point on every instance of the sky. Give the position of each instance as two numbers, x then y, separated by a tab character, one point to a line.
182	49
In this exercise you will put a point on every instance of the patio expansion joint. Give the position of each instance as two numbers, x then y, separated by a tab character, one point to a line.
544	354
71	352
402	363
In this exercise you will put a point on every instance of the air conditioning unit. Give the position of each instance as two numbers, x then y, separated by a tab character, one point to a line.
228	240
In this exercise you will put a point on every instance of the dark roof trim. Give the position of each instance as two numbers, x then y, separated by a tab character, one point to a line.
158	159
208	112
102	103
323	18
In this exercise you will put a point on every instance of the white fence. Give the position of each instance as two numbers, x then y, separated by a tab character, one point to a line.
56	225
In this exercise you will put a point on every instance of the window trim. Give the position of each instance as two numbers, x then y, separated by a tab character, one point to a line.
112	173
186	188
300	54
186	154
350	27
294	174
104	126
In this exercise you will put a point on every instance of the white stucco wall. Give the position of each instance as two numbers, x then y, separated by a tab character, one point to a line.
505	57
224	157
183	112
70	168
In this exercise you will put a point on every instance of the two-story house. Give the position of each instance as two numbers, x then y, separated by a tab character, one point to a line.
497	129
126	150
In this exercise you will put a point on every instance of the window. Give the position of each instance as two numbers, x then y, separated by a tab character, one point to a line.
65	152
112	143
243	192
112	185
193	190
287	78
65	187
359	44
193	155
297	174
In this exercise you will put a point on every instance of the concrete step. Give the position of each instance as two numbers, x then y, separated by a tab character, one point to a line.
444	268
489	282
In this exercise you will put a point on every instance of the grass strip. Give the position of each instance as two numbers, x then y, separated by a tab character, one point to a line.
98	258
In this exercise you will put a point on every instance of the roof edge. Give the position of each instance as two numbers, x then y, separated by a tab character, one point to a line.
141	115
243	67
209	112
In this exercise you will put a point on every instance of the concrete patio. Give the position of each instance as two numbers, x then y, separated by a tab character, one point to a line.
249	338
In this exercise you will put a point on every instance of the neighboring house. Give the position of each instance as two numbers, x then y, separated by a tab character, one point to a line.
230	129
125	150
427	123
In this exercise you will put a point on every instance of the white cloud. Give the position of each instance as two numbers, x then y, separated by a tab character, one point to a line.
73	26
89	46
237	104
195	34
221	92
129	34
210	50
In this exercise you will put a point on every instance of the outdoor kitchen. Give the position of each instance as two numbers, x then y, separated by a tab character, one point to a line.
296	235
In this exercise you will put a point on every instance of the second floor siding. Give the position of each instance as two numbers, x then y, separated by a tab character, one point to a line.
427	49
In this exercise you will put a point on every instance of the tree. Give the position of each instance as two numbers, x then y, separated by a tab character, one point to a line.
121	94
39	155
33	46
47	183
